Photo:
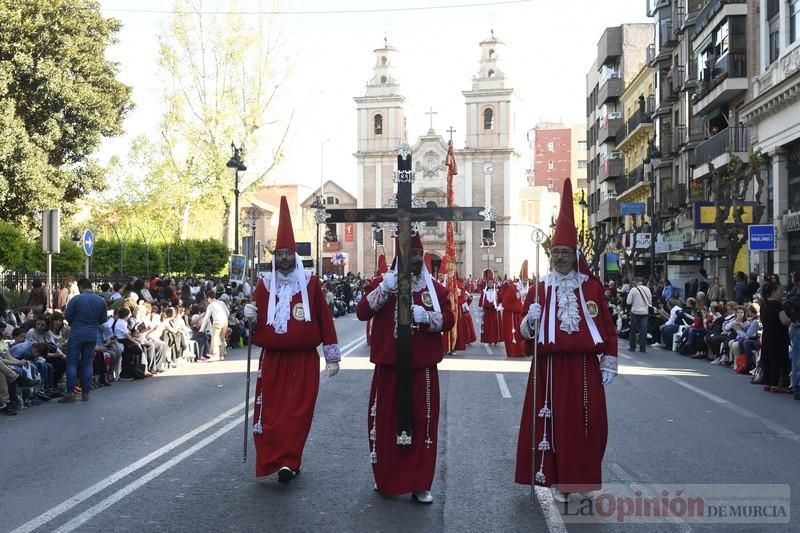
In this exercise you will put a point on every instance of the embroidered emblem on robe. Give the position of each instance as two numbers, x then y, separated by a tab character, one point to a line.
426	299
297	312
592	307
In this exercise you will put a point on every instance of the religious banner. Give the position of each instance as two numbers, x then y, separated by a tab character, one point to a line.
450	248
349	232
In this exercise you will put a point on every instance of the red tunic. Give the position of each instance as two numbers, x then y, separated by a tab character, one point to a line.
578	434
490	332
403	469
512	316
466	328
288	378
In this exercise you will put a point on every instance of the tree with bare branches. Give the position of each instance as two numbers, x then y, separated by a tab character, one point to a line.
730	186
221	83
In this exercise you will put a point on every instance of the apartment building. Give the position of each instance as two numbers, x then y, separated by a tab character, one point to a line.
772	119
621	53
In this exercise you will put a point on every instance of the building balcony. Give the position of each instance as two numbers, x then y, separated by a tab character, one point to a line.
776	88
709	12
667	36
609	127
609	208
674	198
611	168
717	149
632	182
609	46
666	143
727	81
611	89
690	76
638	128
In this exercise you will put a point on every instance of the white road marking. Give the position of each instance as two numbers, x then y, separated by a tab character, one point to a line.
555	524
501	380
679	523
742	411
84	495
350	344
353	347
93	511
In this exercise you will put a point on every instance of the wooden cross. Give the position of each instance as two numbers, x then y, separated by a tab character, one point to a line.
430	113
451	131
403	215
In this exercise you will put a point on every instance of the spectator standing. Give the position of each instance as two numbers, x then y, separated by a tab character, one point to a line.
85	313
669	291
639	299
752	285
775	339
217	312
716	292
740	290
37	298
792	309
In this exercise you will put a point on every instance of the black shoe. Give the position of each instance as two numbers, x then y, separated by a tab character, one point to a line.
8	410
42	396
643	350
286	474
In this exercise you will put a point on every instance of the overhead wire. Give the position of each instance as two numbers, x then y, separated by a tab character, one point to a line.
316	12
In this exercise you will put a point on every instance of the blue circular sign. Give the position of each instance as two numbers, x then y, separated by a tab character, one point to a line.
88	242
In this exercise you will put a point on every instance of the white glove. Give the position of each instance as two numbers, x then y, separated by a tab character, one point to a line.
389	282
421	316
534	313
500	308
331	369
250	312
607	376
465	308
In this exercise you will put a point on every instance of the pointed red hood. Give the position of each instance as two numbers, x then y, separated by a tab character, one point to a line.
285	238
566	234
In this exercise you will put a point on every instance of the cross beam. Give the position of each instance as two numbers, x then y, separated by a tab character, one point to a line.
403	215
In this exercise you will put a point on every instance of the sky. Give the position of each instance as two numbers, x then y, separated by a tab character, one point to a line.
550	45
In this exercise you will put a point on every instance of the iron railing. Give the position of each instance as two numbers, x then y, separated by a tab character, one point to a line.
735	139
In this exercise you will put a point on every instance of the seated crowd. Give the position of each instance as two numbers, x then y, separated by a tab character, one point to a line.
754	332
152	327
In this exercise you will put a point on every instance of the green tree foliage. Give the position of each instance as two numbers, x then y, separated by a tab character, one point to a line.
58	97
12	247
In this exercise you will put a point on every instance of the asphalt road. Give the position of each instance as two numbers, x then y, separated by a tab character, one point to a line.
165	454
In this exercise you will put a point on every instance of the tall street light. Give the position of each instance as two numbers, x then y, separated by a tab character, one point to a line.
654	160
236	164
583	206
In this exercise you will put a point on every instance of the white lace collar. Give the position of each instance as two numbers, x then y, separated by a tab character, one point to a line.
282	287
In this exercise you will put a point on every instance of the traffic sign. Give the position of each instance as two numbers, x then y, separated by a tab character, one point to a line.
761	237
87	242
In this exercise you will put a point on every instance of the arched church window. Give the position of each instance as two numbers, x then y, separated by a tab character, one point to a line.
490	74
383	60
431	204
491	53
488	118
383	79
377	124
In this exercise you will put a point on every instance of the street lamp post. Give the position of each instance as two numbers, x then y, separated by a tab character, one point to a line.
236	164
654	160
319	218
583	206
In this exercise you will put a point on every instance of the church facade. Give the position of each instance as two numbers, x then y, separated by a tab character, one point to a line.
488	167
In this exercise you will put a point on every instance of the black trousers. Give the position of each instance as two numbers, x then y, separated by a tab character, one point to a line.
638	327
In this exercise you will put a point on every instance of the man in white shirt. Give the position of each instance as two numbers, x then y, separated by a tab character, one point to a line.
217	311
639	299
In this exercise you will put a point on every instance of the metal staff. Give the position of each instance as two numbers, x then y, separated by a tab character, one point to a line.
251	327
538	237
